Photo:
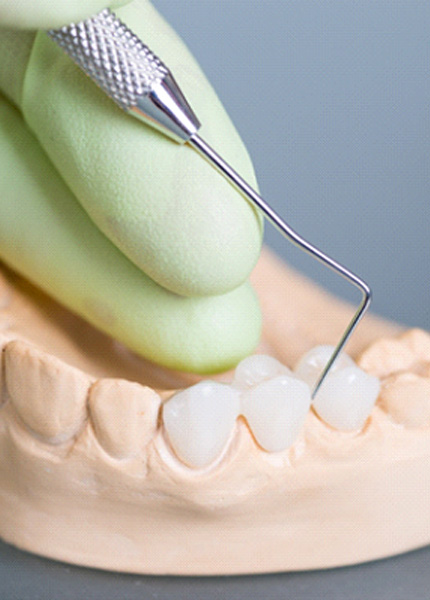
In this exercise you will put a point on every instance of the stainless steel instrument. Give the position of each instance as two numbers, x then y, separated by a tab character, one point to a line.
121	65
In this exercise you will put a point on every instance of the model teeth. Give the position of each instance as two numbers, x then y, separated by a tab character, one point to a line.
406	398
199	421
52	406
257	368
346	398
274	402
347	395
124	416
276	410
419	342
311	365
386	356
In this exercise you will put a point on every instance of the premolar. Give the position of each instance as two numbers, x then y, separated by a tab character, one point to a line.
199	421
347	395
124	415
276	410
346	398
311	365
274	402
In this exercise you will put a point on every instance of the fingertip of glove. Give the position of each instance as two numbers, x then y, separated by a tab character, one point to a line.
221	332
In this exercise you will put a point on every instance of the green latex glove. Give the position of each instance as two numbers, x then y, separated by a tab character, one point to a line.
136	233
44	14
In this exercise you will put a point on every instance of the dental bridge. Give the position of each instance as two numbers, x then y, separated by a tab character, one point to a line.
133	77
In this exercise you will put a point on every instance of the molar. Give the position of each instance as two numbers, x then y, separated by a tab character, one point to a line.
199	421
257	368
124	415
386	356
276	411
53	406
406	398
418	341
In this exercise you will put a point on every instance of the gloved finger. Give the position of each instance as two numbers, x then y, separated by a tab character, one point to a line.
47	236
46	14
163	205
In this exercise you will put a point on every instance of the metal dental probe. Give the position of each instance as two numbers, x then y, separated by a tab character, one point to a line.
121	65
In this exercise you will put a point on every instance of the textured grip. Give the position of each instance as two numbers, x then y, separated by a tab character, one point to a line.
114	57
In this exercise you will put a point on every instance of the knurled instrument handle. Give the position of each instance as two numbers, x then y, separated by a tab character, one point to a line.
129	72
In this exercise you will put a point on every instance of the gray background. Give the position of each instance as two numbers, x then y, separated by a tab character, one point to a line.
338	128
332	101
27	577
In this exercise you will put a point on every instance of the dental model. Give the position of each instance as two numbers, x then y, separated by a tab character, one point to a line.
240	474
96	466
274	402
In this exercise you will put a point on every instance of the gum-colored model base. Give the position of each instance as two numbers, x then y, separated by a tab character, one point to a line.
87	474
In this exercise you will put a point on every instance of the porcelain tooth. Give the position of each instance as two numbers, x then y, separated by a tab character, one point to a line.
276	411
124	415
311	364
257	368
199	421
346	398
53	406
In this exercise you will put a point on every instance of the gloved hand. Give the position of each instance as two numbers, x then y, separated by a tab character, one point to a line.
139	235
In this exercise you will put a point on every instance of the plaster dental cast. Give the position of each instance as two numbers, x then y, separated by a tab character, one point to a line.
125	306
